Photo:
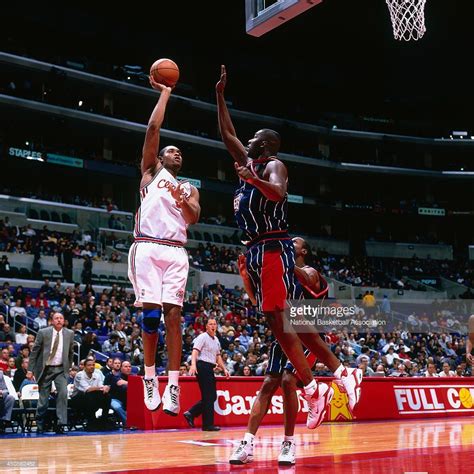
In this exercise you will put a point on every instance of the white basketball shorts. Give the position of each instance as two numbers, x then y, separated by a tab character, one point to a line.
158	273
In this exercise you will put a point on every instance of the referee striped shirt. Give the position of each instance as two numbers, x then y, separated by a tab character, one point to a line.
209	347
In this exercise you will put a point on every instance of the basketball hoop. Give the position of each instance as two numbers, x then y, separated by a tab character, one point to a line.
408	19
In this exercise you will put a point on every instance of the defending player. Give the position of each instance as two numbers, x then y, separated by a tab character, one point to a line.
260	208
281	372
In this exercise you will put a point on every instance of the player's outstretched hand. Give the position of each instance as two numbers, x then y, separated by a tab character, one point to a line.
193	370
157	86
470	359
220	86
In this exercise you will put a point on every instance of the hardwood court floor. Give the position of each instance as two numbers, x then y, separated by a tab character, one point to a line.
431	445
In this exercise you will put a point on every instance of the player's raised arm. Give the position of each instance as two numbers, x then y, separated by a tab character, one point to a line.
226	127
152	137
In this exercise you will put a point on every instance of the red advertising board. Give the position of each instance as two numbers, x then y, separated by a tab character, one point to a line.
382	399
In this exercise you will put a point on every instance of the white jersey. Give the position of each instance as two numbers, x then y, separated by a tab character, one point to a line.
158	217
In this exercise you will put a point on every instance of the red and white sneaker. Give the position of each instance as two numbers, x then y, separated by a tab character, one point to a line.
351	379
318	403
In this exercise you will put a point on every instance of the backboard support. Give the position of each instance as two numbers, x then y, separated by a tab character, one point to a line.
263	16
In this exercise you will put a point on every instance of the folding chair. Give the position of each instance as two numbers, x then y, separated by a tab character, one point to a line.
29	397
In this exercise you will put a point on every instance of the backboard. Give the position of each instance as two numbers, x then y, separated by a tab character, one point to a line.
263	16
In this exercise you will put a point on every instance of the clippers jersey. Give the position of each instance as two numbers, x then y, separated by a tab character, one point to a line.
158	217
254	213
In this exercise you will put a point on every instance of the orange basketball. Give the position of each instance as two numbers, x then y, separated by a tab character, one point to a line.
165	71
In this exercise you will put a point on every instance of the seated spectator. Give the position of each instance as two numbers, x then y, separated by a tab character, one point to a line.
239	347
400	371
90	394
23	354
18	313
4	356
42	301
245	371
21	336
20	374
108	367
380	371
431	370
7	334
6	403
11	367
40	321
321	370
245	339
459	371
364	355
89	344
31	309
446	372
72	374
111	344
118	381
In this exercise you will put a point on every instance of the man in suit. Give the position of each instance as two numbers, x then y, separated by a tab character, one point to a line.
50	361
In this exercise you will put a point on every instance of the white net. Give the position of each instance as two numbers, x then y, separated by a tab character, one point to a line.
408	18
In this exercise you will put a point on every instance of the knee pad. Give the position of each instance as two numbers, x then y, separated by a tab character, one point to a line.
151	320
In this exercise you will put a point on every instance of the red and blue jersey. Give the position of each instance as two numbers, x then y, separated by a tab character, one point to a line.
255	214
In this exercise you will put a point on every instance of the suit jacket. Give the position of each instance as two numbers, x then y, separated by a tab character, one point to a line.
40	353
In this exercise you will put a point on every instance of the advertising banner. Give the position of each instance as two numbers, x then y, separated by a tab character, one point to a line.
382	399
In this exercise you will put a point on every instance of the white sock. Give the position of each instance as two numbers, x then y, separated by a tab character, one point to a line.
310	388
249	437
291	439
173	377
150	372
338	371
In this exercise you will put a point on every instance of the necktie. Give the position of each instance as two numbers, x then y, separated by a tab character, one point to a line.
54	349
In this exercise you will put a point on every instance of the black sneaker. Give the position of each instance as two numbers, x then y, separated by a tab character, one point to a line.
189	418
211	428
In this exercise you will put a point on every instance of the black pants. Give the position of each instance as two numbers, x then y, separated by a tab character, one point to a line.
207	384
88	403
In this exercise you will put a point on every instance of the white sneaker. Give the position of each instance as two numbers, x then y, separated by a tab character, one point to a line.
351	379
243	454
287	456
171	400
318	403
152	395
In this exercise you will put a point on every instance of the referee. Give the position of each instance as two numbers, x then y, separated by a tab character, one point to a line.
206	353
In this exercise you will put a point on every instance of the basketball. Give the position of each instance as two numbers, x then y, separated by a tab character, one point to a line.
165	71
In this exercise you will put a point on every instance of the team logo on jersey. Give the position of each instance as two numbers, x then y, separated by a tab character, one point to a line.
180	294
237	202
164	183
